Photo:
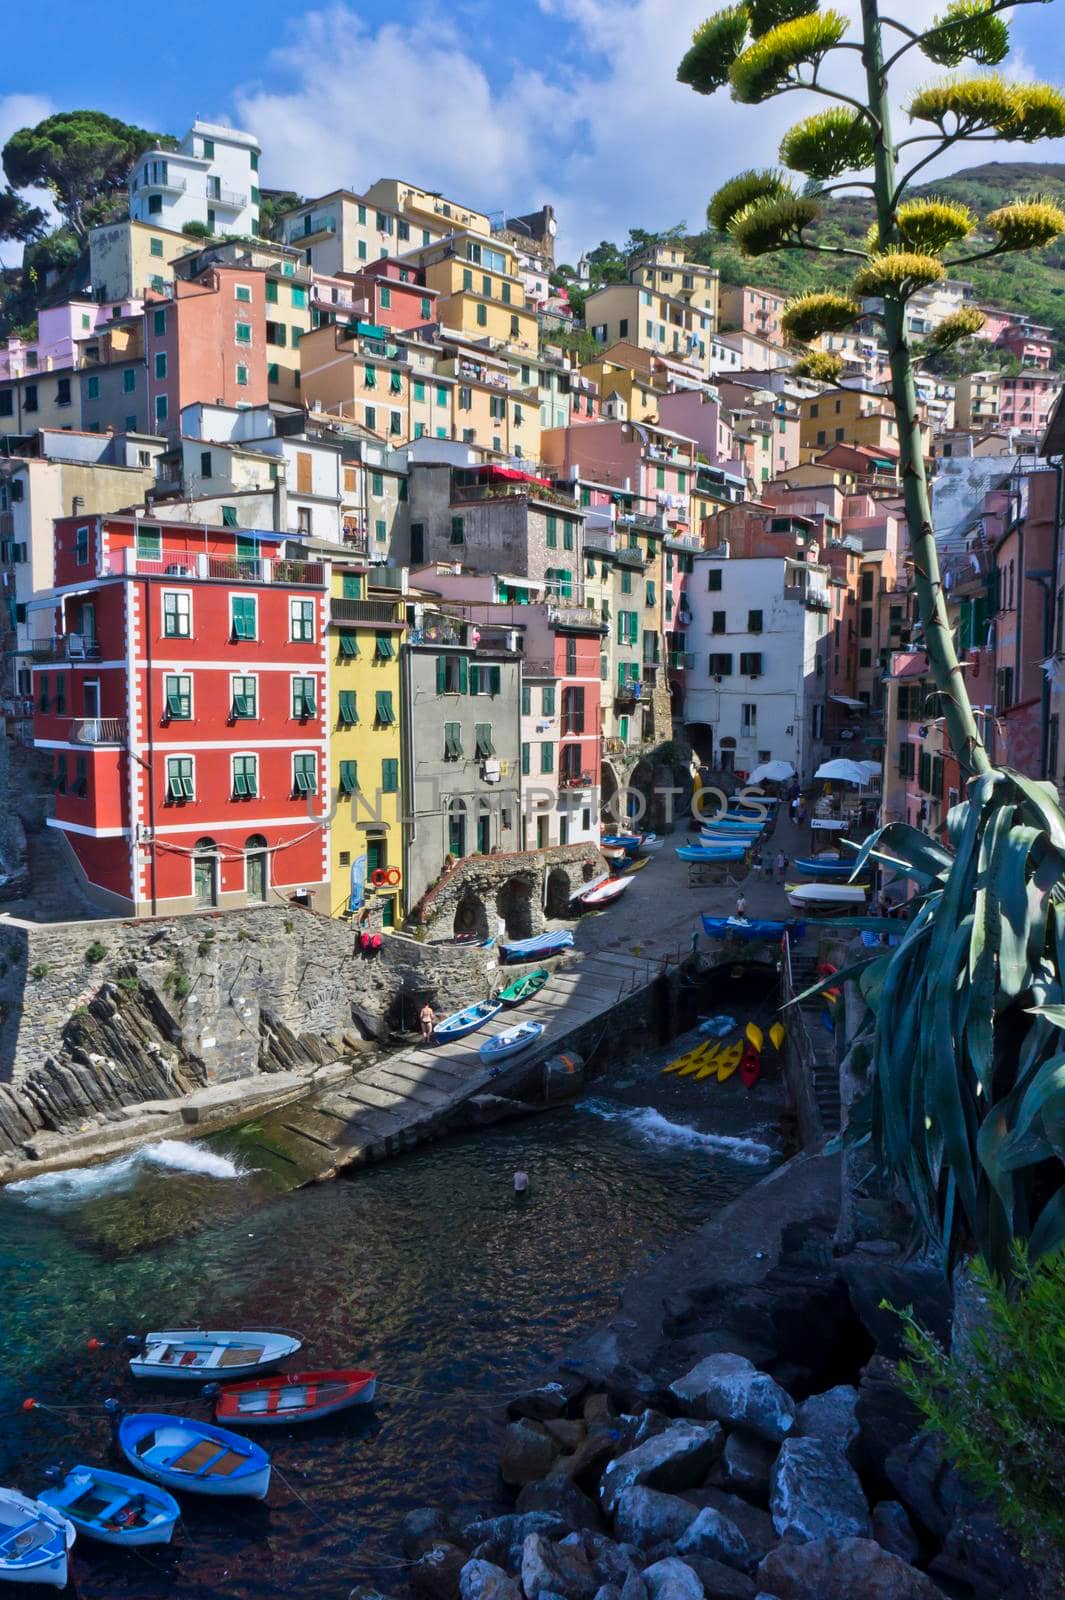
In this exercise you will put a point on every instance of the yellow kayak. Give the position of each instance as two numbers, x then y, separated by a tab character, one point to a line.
694	1063
708	1065
678	1064
776	1035
728	1062
754	1034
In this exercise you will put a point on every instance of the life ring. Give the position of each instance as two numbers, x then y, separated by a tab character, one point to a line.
393	877
379	877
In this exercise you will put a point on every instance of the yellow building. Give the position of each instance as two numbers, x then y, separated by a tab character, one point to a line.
665	269
365	633
624	380
479	290
852	416
663	324
389	386
426	205
493	409
127	260
976	400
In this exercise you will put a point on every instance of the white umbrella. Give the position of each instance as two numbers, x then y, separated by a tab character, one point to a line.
772	772
842	771
873	769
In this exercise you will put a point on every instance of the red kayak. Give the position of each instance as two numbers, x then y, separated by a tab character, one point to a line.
750	1065
293	1397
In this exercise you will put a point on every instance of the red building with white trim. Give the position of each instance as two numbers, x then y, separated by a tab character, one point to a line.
183	697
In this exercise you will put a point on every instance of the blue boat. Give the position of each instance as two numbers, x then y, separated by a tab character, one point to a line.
629	842
727	836
813	868
536	948
741	928
34	1540
520	1037
461	1023
715	852
114	1508
733	824
184	1453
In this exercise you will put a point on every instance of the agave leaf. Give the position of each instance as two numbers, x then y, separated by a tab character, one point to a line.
1009	873
1042	800
833	980
1054	1014
948	1098
906	849
1048	1234
1047	1085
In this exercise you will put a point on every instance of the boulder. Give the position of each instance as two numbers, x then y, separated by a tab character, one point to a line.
720	1582
597	1408
549	1400
547	1568
893	1530
560	1496
608	1591
672	1579
815	1493
605	1440
481	1580
979	1553
500	1540
746	1464
675	1459
424	1527
830	1416
647	1517
611	1562
566	1434
527	1453
928	1488
755	1524
634	1587
729	1388
436	1574
715	1535
887	1419
842	1569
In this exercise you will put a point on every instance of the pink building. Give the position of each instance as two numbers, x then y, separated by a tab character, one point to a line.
745	309
700	414
1030	343
1026	400
60	331
654	463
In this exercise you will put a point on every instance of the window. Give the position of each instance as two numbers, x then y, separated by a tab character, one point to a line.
179	782
162	408
721	666
245	704
718	622
129	380
348	777
81	547
92	387
380	530
271	296
386	297
241	375
348	713
304	774
177	615
452	674
754	622
42	693
649	592
371	418
395	382
60	781
177	696
159	323
29	401
243	332
626	581
452	741
713	579
229	517
483	740
245	777
60	694
526	762
548	700
299	297
81	776
377	484
160	364
426	308
749	719
301	621
441	394
155	247
458	530
547	756
276	333
242	616
304	698
482	315
552	532
385	712
751	663
485	680
242	293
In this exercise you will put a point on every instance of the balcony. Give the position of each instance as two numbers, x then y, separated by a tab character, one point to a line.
218	569
570	614
538	668
375	613
817	600
65	647
98	730
574	780
682	660
627	693
228	199
167	185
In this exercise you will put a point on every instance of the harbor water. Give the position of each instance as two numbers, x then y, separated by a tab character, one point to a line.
429	1269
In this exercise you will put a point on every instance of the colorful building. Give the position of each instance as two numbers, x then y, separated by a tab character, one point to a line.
207	343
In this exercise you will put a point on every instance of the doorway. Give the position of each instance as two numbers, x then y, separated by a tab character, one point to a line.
205	873
256	868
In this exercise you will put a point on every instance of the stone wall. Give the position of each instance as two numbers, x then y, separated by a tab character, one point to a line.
477	891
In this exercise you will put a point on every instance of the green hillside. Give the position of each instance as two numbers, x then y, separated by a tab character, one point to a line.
1032	283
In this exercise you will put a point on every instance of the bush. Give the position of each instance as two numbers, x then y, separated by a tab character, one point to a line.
997	1404
178	983
39	971
96	952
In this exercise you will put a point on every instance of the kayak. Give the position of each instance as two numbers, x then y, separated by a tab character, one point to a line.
651	842
195	1353
511	1041
753	1034
460	1023
293	1397
750	1066
629	866
728	1062
601	894
709	1063
777	1035
815	867
115	1508
523	988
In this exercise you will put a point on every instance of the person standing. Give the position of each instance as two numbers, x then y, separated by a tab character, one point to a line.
427	1018
741	907
781	865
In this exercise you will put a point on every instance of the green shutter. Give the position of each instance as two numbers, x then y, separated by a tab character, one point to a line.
348	708
526	752
349	646
453	740
464	670
390	776
441	675
547	756
385	713
349	777
483	736
383	647
495	679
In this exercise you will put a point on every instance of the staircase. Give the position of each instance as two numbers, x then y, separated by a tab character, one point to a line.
822	1055
54	893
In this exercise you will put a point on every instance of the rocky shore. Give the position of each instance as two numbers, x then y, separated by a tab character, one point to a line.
736	1432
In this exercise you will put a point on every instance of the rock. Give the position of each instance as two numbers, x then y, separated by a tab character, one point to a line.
569	1435
608	1591
830	1416
717	1536
436	1574
548	1569
672	1580
720	1582
605	1440
649	1423
815	1493
550	1400
481	1580
876	1284
842	1569
746	1464
979	1553
675	1459
893	1530
646	1517
755	1524
597	1408
928	1488
730	1388
424	1527
559	1495
501	1539
887	1419
527	1453
611	1562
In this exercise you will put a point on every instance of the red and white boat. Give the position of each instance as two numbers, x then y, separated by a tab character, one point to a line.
293	1397
601	894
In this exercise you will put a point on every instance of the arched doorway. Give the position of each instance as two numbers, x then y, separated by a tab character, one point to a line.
456	828
514	904
471	917
256	868
205	873
559	892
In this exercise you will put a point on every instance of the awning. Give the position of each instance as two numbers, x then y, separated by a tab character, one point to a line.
843	771
848	701
772	772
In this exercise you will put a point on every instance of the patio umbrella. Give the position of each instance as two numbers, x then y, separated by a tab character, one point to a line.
841	770
772	772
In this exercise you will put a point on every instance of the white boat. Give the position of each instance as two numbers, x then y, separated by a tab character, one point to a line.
34	1540
601	894
194	1352
651	842
805	895
509	1043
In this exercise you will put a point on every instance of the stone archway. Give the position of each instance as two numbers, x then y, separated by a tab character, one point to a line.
471	917
514	903
608	795
559	892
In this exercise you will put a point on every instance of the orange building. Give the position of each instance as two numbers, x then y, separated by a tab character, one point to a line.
208	343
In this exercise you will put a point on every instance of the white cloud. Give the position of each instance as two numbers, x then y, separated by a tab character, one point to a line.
600	129
22	111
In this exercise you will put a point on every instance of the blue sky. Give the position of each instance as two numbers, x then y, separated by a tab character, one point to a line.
505	103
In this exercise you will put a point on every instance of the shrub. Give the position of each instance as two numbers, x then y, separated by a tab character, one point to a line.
39	971
178	983
95	952
997	1403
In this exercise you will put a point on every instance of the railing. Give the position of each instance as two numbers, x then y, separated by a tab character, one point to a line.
629	691
536	668
574	780
318	225
576	615
98	730
437	633
65	647
171	185
817	600
224	569
384	613
630	556
356	541
229	198
382	347
612	746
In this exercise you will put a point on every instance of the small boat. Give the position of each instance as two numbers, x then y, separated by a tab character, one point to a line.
114	1508
754	1036
717	852
709	1063
539	946
613	852
601	894
751	929
750	1066
734	824
293	1397
777	1035
815	867
836	895
629	842
677	1064
728	1061
461	1023
34	1540
184	1453
523	988
691	1066
651	842
510	1041
633	864
193	1352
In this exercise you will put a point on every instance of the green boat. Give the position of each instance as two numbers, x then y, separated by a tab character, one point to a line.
524	988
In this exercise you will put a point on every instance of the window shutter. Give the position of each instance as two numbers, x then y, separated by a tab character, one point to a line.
441	670
464	675
495	678
349	777
348	708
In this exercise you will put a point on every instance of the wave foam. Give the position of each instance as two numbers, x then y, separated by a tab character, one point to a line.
78	1184
658	1129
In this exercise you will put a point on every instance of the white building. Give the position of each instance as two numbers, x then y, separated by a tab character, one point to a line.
758	639
212	178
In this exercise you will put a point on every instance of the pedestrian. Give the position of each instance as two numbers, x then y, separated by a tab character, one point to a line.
801	818
741	907
781	865
756	863
794	808
427	1018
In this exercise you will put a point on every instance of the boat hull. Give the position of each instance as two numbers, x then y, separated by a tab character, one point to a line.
603	893
192	1354
297	1397
461	1023
44	1563
115	1494
176	1452
734	928
833	896
522	989
724	852
536	948
512	1042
